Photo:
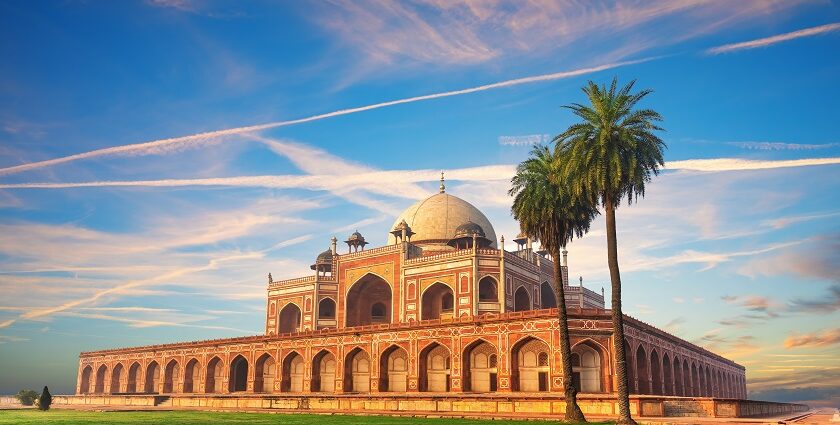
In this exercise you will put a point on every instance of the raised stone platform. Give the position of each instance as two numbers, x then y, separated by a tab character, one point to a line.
523	405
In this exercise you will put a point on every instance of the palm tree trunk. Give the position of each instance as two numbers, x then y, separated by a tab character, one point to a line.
573	412
617	318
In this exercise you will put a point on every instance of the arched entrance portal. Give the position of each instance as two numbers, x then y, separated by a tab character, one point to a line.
357	371
264	374
530	365
289	320
116	379
99	387
369	301
171	377
438	302
84	385
586	367
393	370
292	373
133	384
547	297
192	376
152	378
215	376
323	373
238	375
435	368
479	367
521	299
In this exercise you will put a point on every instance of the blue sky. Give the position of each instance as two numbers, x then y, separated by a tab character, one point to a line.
735	247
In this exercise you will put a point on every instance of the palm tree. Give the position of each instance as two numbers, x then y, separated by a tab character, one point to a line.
611	153
546	211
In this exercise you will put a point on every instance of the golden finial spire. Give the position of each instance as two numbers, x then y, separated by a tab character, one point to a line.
442	186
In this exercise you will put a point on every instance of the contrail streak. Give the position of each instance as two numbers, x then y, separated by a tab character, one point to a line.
767	41
157	146
373	180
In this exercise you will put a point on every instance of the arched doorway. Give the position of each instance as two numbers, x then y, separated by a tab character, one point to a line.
238	374
323	373
215	376
84	385
435	368
695	381
357	371
289	320
679	384
547	297
116	379
264	374
667	373
642	371
521	299
488	291
480	367
152	378
631	370
686	379
655	373
393	370
326	313
99	387
530	365
191	376
133	384
369	302
587	361
292	373
437	302
171	376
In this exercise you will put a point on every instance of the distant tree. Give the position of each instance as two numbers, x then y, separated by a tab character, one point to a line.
609	155
45	400
547	211
26	397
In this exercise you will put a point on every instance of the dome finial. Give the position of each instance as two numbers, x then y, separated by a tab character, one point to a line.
442	186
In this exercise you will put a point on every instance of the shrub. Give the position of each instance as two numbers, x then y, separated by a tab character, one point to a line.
26	397
45	400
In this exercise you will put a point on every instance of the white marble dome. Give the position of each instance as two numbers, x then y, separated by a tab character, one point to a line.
435	219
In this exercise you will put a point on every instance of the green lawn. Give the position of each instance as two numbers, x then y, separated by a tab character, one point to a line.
62	417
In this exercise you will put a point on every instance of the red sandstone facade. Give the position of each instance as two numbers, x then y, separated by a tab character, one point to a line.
445	313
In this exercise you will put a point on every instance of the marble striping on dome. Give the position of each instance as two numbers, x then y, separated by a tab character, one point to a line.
437	217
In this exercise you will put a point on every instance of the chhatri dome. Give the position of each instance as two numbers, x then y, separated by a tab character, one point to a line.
436	219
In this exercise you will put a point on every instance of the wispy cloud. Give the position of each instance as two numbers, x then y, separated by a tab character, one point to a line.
768	41
185	142
739	164
815	339
779	146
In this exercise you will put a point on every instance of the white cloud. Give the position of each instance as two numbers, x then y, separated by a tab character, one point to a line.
768	41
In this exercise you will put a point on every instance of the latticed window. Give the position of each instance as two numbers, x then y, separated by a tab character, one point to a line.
542	360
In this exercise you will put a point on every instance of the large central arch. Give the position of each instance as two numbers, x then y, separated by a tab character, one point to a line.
368	302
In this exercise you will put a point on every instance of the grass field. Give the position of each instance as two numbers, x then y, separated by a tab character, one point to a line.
67	417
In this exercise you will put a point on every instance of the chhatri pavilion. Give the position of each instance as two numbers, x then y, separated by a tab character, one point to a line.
442	318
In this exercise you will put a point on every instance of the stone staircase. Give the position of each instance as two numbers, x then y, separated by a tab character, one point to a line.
163	401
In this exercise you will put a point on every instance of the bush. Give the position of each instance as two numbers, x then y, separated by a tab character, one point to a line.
45	400
26	397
